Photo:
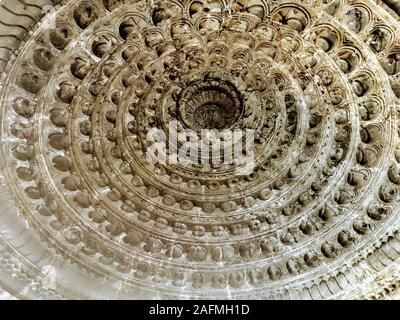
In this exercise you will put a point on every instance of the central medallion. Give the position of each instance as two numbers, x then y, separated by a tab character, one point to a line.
210	104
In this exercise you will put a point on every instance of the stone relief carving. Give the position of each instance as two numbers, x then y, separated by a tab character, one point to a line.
316	81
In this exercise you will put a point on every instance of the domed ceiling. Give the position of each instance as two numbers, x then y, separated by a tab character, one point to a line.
84	214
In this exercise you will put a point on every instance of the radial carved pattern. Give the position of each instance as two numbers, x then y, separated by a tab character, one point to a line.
317	81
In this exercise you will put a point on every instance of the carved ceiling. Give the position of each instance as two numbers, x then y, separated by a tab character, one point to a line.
84	215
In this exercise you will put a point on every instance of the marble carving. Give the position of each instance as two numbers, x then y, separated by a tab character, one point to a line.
83	215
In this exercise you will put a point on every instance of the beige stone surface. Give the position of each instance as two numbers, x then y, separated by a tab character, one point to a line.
84	215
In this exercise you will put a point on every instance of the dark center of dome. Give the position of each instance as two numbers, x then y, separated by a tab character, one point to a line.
210	104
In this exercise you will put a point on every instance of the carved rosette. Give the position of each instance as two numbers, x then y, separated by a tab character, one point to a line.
317	81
